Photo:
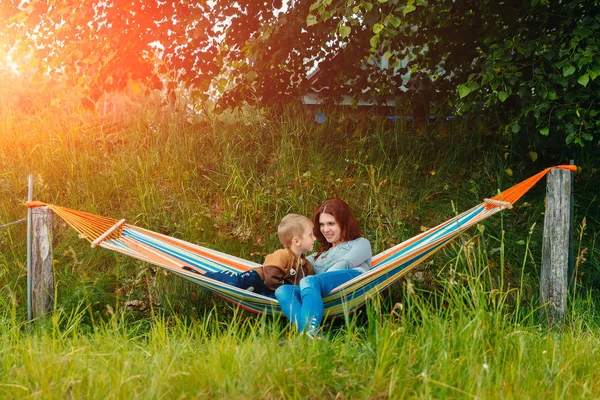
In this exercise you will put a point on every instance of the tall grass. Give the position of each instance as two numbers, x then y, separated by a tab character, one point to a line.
465	324
460	344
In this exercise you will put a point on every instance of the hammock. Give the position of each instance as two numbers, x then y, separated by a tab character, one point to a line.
191	261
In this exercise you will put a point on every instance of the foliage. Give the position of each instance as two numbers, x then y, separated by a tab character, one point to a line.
102	47
426	45
225	181
122	329
536	61
533	63
541	58
238	52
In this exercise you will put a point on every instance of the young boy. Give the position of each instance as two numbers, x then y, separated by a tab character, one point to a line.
284	266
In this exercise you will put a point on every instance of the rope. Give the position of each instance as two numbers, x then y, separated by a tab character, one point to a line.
90	225
511	195
13	223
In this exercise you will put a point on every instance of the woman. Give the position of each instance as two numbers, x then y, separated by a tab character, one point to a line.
344	255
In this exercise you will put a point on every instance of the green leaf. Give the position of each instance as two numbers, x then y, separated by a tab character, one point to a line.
502	96
344	31
463	90
587	136
311	20
367	6
394	21
515	128
570	137
545	131
408	9
377	28
473	86
568	69
533	155
592	74
583	80
374	40
552	95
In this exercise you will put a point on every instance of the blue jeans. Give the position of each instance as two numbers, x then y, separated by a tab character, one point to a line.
244	280
304	304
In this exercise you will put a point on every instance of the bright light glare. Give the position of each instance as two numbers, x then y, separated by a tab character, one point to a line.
7	63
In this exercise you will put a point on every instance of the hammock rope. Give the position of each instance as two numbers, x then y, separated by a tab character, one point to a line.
191	261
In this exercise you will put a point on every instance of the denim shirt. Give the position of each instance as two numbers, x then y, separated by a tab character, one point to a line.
353	254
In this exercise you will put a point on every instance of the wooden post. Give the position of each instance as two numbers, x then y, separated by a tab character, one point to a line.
42	275
29	227
555	246
572	278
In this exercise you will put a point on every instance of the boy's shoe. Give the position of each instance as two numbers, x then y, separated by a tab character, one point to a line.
310	336
251	281
312	330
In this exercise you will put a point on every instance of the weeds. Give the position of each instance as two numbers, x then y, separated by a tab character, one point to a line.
463	325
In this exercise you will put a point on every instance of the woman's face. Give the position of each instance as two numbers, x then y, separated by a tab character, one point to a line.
330	228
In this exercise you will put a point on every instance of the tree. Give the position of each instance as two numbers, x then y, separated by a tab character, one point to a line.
544	56
537	61
238	52
109	46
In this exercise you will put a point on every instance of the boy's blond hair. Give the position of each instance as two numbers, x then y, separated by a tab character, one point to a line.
291	226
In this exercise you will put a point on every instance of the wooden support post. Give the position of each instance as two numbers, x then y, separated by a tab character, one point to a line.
555	246
29	227
42	275
572	278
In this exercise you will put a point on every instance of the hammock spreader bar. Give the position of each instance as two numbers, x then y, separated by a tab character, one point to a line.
498	203
107	233
191	261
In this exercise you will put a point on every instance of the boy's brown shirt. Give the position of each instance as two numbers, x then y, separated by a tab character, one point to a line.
283	267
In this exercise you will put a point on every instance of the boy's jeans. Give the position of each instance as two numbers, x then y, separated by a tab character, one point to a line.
303	305
246	280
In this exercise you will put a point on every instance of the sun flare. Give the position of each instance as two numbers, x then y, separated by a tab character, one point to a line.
8	60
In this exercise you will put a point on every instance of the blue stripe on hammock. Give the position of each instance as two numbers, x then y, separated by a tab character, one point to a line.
454	225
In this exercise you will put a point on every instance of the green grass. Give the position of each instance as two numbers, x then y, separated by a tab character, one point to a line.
464	324
459	349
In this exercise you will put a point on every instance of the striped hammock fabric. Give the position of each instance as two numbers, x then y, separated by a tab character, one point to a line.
191	261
